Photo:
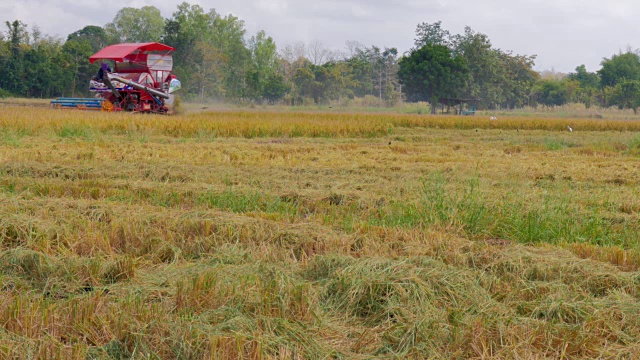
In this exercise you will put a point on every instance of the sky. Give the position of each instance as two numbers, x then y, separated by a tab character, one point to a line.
562	33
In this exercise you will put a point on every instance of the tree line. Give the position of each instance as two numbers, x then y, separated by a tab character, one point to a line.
465	66
216	60
617	83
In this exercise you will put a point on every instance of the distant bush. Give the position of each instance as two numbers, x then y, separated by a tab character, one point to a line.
367	101
4	94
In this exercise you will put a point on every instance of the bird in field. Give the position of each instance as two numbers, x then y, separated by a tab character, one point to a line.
570	129
494	118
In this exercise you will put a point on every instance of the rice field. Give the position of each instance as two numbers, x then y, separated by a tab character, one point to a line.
286	235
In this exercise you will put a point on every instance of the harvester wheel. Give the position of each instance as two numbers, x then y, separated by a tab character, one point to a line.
107	106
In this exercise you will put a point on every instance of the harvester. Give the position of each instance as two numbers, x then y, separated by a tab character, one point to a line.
141	80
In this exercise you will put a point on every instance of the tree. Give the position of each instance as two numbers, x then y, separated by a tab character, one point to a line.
80	45
77	61
209	45
585	78
626	95
518	79
136	25
12	66
42	75
227	35
324	83
432	34
383	65
95	36
265	78
485	71
496	78
306	83
361	69
186	31
318	53
352	48
624	66
275	88
431	73
550	92
207	70
292	57
588	85
373	71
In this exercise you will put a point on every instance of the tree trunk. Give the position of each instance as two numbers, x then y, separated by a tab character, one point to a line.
380	90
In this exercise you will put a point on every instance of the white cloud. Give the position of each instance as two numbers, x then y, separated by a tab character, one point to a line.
275	7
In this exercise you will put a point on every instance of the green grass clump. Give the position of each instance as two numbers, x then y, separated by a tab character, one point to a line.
553	220
232	200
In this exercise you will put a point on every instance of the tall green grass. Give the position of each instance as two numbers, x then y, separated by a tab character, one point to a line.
553	219
240	202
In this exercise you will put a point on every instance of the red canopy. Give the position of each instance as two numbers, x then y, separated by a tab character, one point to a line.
119	52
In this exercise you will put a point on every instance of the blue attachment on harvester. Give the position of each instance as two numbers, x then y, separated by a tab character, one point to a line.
88	103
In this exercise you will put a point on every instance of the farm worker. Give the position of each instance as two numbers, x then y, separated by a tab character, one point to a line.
101	72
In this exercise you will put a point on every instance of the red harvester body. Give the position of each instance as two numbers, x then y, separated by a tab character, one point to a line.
141	80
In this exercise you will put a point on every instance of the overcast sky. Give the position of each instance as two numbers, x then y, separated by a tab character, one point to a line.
563	33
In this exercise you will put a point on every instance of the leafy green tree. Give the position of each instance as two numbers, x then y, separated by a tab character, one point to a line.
518	79
550	92
212	58
324	83
77	61
207	70
306	83
263	64
132	25
39	69
623	66
626	95
486	76
361	68
227	35
432	72
588	86
96	36
585	78
496	78
12	63
292	58
80	45
374	72
432	34
186	31
338	82
265	78
275	88
388	84
31	64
